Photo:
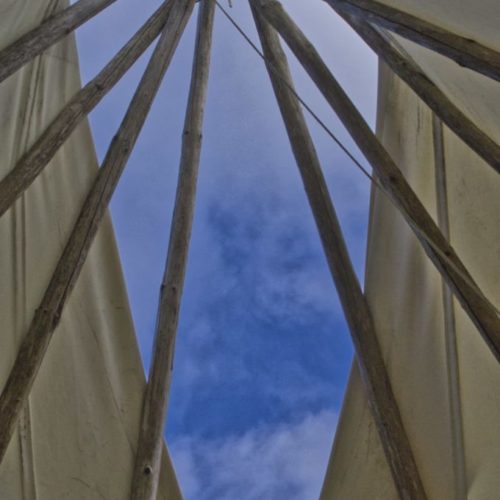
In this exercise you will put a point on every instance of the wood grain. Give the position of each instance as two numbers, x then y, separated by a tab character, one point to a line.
147	465
463	51
48	314
46	34
32	163
480	310
427	90
372	368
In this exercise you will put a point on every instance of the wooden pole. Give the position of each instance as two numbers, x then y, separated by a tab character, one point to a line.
479	309
31	164
147	465
48	314
375	378
46	34
427	90
463	51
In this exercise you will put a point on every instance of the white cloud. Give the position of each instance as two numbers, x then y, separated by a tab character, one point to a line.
268	462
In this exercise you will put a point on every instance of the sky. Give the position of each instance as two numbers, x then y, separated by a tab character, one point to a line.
263	352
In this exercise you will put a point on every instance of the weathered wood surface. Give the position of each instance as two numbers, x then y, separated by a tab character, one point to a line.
46	34
147	465
31	164
444	257
375	378
464	51
427	90
48	314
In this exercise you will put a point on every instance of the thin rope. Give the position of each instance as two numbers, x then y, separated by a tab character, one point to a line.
358	164
320	122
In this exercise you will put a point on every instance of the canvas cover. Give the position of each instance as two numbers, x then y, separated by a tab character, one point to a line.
405	292
76	437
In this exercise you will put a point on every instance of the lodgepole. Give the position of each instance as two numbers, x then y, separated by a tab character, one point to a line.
447	262
463	51
48	314
46	34
147	465
31	164
369	357
427	90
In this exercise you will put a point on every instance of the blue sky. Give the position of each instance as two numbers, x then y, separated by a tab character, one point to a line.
263	353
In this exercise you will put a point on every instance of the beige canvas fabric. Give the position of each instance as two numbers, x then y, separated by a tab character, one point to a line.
405	291
77	436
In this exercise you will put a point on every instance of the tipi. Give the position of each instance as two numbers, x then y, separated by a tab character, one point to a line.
420	413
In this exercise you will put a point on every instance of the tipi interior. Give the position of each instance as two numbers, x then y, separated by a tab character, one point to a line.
77	418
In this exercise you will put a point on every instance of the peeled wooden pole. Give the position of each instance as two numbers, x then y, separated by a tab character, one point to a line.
46	34
427	90
147	465
53	137
479	309
48	314
375	378
464	51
